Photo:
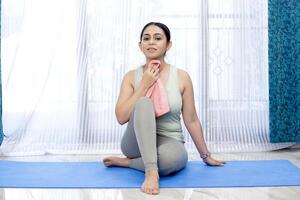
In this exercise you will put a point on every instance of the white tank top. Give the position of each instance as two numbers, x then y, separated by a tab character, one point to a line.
169	124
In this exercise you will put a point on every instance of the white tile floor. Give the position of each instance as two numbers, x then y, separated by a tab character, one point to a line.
254	193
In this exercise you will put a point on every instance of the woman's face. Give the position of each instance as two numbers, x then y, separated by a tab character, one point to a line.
154	42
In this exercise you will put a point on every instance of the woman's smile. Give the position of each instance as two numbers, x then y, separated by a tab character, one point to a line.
151	49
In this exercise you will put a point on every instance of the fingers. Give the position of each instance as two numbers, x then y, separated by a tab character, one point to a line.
213	162
154	64
154	72
153	69
219	163
151	75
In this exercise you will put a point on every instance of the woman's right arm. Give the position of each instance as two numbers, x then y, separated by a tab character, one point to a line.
128	96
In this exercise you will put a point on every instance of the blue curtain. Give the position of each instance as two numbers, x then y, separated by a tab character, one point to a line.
284	70
1	127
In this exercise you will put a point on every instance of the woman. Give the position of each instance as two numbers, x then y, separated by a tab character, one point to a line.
156	144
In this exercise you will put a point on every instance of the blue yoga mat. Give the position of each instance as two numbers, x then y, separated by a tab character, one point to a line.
266	173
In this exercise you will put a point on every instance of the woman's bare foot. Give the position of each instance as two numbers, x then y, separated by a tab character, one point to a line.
151	182
116	161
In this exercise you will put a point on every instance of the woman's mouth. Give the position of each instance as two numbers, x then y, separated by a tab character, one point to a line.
151	50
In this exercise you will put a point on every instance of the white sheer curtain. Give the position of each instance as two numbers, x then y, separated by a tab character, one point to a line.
237	73
63	61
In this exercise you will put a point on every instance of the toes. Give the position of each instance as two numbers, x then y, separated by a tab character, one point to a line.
152	191
148	191
107	162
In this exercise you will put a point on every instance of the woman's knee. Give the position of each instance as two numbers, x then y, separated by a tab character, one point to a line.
171	161
129	146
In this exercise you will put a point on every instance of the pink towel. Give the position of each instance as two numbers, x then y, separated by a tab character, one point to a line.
158	96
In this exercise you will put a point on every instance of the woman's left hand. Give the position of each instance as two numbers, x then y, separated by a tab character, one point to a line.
212	162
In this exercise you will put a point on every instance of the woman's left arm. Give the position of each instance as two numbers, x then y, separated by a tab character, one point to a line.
192	121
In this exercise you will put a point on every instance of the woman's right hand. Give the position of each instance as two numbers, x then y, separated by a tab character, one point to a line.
151	75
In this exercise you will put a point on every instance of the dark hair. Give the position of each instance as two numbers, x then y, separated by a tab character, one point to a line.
160	25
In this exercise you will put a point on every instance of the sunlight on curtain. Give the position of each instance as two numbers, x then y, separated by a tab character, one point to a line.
40	75
63	61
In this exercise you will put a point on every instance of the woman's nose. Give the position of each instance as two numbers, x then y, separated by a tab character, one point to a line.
151	41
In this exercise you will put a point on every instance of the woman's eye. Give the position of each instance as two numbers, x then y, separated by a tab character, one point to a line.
158	38
145	39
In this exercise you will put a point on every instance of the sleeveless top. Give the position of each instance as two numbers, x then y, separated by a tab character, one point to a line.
169	124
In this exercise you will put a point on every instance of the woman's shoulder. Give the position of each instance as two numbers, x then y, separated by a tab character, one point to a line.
184	78
129	76
130	73
183	75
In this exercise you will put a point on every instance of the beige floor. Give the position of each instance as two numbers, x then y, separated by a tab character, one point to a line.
254	193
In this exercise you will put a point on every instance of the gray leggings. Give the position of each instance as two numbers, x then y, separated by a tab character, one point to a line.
147	150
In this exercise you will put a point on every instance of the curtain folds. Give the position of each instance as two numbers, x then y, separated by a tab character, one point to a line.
284	70
237	73
62	73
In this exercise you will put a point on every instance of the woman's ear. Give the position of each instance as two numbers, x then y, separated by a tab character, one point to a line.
169	45
140	46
